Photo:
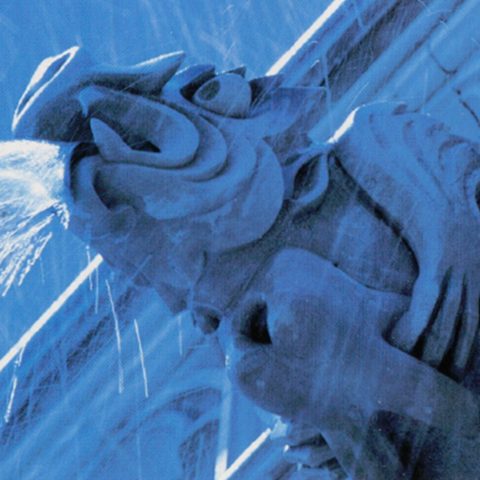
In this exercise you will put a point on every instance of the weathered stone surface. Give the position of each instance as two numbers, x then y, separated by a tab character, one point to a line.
344	276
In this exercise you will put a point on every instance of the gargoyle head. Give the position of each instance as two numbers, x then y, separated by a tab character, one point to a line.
170	165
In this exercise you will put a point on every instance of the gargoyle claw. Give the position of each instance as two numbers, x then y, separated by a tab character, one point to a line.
416	176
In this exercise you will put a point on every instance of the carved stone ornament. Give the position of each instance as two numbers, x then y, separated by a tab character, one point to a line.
342	279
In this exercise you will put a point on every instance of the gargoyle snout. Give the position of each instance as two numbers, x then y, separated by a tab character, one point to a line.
50	110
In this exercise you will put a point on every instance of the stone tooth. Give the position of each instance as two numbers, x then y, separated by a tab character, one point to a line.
111	146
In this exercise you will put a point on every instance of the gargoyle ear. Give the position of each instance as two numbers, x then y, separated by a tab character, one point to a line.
227	94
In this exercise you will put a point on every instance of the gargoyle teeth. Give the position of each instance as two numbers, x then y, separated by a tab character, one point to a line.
110	144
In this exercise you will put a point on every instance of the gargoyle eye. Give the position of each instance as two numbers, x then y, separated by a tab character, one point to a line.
227	94
210	90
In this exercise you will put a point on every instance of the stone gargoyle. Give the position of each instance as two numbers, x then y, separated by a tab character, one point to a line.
342	279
